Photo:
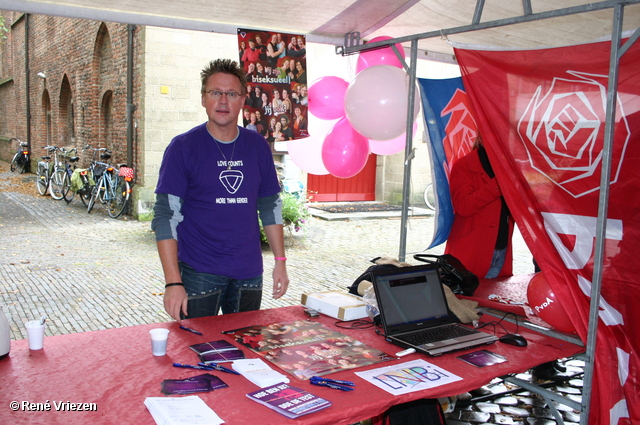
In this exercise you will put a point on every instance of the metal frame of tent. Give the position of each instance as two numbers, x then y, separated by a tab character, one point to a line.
353	46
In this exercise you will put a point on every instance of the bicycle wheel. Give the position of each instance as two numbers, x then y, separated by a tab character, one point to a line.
118	198
14	162
429	197
95	194
55	186
42	180
67	193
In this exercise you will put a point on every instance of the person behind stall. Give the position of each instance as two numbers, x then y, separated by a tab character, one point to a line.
210	250
482	227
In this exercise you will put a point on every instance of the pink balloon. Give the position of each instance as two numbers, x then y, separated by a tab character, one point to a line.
326	97
393	146
344	151
307	153
384	56
376	102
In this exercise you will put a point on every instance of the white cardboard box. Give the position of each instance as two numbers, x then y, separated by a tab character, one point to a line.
336	304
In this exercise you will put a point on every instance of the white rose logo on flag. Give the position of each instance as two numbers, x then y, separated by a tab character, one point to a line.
563	132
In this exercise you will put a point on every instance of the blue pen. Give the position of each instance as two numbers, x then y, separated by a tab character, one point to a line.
218	367
333	381
190	330
324	383
188	366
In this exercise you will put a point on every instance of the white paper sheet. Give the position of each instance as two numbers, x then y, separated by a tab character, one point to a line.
408	377
188	410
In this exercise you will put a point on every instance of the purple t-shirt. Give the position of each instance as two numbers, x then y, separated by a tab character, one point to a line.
220	233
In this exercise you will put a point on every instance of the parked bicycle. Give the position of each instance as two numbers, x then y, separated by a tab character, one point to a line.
429	197
21	158
83	180
46	178
112	188
66	172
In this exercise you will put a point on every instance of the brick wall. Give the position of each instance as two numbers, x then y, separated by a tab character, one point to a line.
85	64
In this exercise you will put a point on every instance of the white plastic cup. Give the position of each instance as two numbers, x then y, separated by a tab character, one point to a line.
159	339
35	334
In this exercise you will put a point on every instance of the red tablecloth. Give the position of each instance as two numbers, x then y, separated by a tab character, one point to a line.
115	369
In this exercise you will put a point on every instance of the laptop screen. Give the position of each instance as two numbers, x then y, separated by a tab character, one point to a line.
410	298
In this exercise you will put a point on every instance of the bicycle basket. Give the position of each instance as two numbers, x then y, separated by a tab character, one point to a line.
126	172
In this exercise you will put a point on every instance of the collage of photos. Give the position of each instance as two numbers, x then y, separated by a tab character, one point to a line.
305	348
277	90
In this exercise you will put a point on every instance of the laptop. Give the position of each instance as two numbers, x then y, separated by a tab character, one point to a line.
415	314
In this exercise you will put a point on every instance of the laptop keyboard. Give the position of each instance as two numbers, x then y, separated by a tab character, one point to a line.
437	334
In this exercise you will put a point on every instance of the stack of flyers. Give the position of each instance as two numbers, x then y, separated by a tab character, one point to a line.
197	384
217	351
289	401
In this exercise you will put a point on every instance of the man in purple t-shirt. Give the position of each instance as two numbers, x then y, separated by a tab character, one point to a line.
215	181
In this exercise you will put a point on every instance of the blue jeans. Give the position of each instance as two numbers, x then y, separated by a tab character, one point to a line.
208	293
497	262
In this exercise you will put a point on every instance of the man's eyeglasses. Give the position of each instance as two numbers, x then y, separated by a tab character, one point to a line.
217	94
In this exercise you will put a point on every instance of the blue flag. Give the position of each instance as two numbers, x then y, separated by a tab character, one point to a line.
452	130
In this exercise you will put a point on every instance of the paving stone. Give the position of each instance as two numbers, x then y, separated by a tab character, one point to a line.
507	401
475	417
571	417
488	407
503	419
569	390
542	413
536	421
515	411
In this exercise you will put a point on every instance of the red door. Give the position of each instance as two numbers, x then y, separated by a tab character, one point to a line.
361	187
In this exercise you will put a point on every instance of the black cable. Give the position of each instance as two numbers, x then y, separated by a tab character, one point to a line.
355	324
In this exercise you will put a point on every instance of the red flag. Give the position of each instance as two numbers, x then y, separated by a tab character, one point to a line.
542	117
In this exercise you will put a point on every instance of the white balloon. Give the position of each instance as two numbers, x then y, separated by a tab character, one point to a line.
376	102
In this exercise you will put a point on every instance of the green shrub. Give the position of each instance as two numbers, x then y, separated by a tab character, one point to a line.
295	214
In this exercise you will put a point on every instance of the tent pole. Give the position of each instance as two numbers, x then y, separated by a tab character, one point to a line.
603	203
406	182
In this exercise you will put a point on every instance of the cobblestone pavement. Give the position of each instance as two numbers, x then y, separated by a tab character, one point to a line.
88	271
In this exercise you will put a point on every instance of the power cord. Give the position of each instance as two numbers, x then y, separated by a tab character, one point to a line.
355	324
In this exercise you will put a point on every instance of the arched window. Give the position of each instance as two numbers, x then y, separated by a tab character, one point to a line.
106	120
67	115
46	111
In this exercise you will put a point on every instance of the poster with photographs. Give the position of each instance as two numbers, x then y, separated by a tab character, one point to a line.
276	67
305	348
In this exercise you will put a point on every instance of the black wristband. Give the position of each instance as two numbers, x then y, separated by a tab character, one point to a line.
173	284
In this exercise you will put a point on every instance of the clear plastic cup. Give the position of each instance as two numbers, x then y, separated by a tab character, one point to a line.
159	339
35	334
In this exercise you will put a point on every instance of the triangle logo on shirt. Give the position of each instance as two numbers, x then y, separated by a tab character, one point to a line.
231	180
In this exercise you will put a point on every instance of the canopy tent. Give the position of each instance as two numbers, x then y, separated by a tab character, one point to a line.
328	23
421	23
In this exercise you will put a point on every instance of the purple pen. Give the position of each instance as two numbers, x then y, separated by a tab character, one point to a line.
188	366
190	330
